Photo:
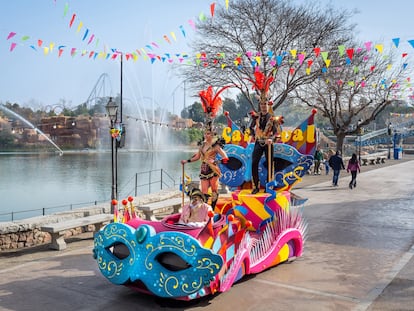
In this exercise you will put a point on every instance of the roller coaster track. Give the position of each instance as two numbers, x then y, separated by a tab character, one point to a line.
99	90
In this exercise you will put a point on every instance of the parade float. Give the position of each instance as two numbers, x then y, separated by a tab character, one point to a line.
247	233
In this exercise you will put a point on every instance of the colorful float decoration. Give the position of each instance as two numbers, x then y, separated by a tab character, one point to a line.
246	234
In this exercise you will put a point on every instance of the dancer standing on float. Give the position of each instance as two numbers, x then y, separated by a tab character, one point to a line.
265	128
211	146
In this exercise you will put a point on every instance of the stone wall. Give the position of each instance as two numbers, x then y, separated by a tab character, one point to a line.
26	233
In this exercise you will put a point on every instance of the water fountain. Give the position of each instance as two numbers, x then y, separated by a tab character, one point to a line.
146	130
4	108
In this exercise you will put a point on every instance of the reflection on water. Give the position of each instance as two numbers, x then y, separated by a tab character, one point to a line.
35	181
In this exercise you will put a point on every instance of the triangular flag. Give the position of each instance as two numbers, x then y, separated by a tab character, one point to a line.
167	39
279	59
72	20
341	49
191	23
202	17
368	45
301	57
85	35
12	46
65	10
182	30
212	7
396	42
79	26
379	48
91	38
350	53
411	42
11	35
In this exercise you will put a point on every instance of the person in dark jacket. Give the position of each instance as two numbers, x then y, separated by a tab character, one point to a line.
337	164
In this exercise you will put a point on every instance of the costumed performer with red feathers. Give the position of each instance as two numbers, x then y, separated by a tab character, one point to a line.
210	147
265	128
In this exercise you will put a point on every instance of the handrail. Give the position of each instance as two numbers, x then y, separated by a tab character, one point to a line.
165	181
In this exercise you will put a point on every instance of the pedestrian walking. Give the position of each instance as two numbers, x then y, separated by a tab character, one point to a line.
337	164
318	158
353	167
327	156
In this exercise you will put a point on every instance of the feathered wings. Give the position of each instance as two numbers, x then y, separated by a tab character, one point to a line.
211	103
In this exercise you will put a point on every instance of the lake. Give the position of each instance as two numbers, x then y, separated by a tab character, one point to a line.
33	181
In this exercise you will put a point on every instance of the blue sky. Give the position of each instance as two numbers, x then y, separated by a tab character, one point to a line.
31	78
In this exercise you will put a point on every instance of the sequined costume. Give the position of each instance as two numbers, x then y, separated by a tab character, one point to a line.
264	127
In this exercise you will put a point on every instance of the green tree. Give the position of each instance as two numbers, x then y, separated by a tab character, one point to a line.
196	112
6	140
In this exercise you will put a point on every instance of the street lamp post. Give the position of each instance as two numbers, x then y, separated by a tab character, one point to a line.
359	140
390	139
246	120
112	111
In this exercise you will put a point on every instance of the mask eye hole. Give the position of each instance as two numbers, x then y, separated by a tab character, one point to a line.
119	250
172	262
280	164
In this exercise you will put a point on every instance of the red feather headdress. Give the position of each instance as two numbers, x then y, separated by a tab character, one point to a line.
211	104
262	83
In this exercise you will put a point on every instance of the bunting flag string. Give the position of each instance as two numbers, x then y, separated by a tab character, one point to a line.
219	58
202	17
292	58
157	123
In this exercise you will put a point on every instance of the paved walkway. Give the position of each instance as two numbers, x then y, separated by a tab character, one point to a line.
359	255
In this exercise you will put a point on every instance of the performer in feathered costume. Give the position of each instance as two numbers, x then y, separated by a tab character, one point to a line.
210	147
265	128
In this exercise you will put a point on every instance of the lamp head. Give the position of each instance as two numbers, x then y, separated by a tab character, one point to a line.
112	109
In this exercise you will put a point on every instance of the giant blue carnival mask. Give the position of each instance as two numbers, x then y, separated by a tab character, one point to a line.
169	264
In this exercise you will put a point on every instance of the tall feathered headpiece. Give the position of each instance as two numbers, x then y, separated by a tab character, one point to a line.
211	103
262	83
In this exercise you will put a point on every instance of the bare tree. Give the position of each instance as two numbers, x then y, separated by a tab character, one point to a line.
272	36
358	84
